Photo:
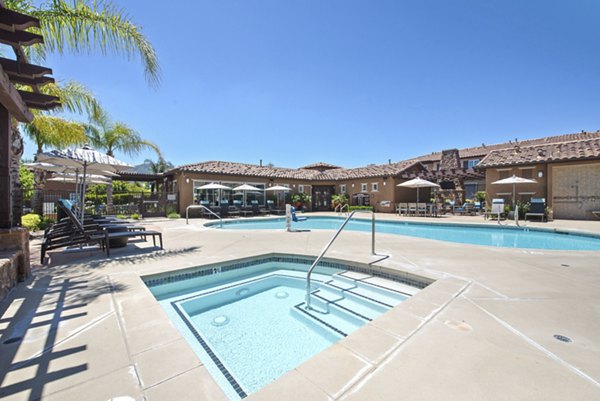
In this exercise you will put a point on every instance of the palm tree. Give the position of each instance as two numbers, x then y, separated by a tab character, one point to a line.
116	136
84	26
80	26
160	166
47	130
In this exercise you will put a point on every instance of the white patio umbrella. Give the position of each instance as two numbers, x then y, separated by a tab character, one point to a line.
91	179
246	187
214	185
278	188
86	158
514	180
418	183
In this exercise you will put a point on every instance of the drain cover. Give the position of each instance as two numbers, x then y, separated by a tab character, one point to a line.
562	338
243	292
459	326
13	340
220	320
282	294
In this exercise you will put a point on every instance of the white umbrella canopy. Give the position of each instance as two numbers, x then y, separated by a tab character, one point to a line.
278	188
418	183
85	157
90	180
514	180
213	185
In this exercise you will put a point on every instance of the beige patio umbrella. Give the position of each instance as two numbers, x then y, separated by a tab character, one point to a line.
418	183
514	180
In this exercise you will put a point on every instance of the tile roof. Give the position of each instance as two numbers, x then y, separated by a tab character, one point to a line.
320	166
242	169
563	151
480	151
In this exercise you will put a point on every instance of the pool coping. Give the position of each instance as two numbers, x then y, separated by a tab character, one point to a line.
416	311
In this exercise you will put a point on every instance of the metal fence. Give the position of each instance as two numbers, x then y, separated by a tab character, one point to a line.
124	203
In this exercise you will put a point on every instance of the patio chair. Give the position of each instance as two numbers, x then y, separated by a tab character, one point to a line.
271	208
412	209
497	209
537	208
402	208
421	209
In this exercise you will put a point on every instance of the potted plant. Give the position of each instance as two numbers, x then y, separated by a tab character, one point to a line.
299	199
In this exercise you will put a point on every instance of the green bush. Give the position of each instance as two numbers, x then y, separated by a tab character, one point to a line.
121	216
174	215
31	221
360	208
135	216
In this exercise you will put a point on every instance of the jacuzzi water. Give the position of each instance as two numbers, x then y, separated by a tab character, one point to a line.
249	326
499	236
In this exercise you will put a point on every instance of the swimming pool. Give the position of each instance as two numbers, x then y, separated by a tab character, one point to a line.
248	323
498	236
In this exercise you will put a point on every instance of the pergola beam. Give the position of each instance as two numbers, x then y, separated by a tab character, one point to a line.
12	101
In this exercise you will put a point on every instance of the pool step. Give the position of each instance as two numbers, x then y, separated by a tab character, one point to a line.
364	308
326	323
376	284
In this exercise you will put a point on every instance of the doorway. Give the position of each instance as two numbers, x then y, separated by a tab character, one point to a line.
321	198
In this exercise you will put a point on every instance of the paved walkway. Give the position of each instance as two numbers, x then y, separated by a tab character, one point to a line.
86	328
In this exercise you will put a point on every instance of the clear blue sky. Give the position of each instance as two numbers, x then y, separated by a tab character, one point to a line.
350	82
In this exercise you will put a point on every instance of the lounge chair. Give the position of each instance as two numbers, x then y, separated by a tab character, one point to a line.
537	208
497	209
76	233
466	209
271	208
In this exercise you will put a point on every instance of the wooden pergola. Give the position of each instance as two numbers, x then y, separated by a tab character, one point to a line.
15	102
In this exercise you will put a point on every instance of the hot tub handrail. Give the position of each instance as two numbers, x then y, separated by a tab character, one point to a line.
331	241
205	208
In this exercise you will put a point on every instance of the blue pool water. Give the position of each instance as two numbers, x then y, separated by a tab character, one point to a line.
250	326
500	236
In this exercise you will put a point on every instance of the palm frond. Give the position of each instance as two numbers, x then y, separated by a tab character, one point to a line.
47	130
74	97
84	26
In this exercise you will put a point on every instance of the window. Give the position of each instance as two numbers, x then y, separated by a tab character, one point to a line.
437	167
363	187
374	187
470	163
527	173
343	188
301	189
503	174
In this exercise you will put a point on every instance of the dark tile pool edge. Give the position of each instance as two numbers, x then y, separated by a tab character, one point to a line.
220	267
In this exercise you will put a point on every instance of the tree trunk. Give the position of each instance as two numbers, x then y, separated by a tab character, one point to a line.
16	149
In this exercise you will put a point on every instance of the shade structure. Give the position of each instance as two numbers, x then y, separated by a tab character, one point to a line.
418	183
514	180
90	180
86	158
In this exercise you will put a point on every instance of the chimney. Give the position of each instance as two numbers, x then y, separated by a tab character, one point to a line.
260	162
389	161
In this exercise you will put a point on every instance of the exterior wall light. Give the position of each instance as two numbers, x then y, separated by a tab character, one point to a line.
540	174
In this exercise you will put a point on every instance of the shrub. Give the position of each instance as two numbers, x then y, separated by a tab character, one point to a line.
45	223
174	215
31	221
121	216
352	208
135	216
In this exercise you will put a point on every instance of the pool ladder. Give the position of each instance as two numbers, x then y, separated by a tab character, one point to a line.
187	209
339	209
331	241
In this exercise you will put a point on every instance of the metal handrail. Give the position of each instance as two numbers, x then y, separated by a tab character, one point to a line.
331	241
205	208
341	208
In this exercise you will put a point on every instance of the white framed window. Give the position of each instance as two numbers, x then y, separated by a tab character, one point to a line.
374	187
363	187
301	189
343	189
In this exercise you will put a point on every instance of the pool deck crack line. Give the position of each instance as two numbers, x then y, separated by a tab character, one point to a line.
533	343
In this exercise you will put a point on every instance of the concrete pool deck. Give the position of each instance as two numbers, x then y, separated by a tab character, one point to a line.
86	327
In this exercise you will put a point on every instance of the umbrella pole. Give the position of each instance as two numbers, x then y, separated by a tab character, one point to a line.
514	190
417	194
83	192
